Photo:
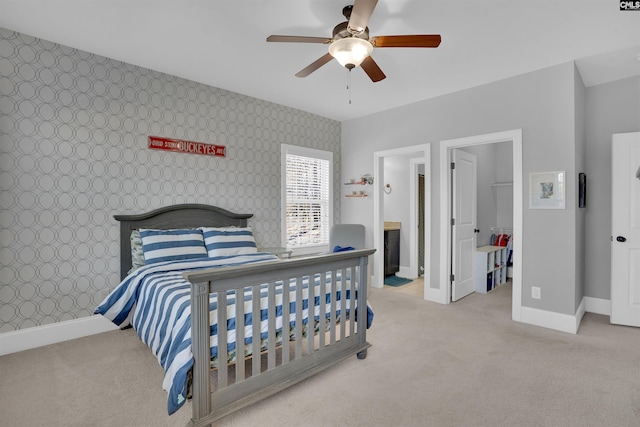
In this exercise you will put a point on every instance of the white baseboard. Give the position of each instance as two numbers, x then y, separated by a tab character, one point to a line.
565	322
598	305
547	319
25	339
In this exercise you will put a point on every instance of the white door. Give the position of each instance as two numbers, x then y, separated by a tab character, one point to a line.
463	259
625	229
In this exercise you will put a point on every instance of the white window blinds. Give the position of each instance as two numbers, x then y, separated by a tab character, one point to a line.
308	200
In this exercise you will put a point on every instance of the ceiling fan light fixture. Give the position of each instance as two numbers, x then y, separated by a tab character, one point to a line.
350	51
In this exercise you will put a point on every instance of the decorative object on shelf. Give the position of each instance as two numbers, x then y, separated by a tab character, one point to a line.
387	188
354	182
366	178
547	190
582	190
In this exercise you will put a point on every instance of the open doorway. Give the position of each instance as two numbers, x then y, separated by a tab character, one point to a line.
416	160
443	294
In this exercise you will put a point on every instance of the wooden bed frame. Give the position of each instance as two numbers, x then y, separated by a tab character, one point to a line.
279	366
176	216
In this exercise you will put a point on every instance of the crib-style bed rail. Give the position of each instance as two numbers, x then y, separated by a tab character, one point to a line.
331	289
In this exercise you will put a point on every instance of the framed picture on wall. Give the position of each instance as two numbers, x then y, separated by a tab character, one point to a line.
547	190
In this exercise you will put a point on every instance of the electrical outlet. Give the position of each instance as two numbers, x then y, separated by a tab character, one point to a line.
535	292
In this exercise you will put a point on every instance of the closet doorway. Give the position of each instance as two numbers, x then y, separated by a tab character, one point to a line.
443	295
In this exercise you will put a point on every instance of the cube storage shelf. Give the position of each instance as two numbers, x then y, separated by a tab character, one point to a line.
491	267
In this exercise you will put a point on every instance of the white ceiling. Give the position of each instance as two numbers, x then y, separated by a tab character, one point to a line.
222	43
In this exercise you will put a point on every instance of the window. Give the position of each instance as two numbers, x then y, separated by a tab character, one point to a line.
307	194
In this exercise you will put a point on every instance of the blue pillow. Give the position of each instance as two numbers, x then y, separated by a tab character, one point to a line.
227	241
172	245
343	248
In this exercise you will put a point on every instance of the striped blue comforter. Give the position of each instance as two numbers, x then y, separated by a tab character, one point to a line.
155	300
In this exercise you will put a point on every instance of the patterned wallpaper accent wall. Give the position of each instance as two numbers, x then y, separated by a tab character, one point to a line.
73	152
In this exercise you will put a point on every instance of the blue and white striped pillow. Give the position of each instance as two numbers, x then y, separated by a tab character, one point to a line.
172	245
226	241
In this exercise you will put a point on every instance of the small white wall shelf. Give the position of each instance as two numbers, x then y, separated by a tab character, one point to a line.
365	179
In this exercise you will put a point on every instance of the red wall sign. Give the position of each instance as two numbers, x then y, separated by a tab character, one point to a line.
182	146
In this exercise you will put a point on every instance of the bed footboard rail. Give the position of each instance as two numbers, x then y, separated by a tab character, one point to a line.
331	289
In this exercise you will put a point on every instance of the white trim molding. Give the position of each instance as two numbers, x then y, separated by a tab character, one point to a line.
39	336
597	305
443	294
423	154
551	320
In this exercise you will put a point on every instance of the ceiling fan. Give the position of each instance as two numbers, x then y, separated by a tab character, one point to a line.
351	45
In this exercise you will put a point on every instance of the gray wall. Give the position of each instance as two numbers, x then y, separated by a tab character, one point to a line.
542	104
610	108
73	152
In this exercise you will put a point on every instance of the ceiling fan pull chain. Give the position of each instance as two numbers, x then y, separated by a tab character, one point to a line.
349	84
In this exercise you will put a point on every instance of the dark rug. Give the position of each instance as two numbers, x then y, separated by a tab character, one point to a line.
396	281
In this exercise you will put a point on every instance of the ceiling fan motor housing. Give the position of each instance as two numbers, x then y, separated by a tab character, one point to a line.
341	31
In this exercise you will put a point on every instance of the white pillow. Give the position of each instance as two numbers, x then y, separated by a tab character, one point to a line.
172	245
227	241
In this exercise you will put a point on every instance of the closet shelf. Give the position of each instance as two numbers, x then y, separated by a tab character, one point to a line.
502	184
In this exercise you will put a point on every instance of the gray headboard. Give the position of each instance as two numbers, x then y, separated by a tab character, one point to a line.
176	216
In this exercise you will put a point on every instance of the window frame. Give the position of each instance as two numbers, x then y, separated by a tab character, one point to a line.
312	153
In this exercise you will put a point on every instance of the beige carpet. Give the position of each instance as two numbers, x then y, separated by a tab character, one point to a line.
465	364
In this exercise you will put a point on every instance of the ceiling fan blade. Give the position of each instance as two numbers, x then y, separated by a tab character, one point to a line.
418	40
298	39
314	65
362	10
371	68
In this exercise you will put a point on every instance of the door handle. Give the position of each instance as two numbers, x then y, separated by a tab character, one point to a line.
621	239
475	230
